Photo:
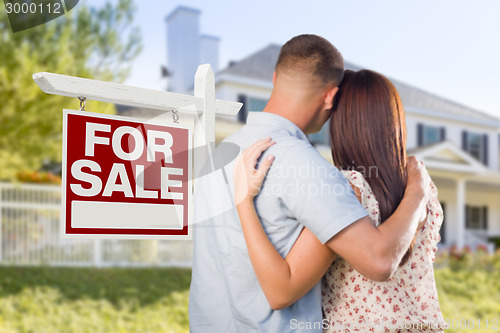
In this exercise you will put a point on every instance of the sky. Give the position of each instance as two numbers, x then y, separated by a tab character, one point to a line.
448	47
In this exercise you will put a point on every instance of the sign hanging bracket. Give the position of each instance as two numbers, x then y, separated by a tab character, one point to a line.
83	103
175	116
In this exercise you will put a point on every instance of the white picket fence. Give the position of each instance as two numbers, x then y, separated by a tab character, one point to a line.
30	235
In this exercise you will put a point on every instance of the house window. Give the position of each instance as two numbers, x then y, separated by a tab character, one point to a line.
431	134
243	114
476	217
476	145
322	137
250	104
428	134
256	104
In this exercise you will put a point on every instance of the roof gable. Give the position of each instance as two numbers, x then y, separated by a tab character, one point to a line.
446	156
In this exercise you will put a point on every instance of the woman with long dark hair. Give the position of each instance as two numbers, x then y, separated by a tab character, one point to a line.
368	138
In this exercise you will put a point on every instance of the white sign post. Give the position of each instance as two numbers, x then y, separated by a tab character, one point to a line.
105	195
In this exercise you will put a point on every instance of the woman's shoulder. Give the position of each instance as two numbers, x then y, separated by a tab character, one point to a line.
364	193
354	177
358	181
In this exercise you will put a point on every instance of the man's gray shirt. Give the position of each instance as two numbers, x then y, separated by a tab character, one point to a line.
302	189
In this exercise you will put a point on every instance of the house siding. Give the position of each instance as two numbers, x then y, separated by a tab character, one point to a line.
231	92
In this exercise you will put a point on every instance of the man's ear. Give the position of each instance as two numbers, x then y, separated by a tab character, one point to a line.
330	94
274	77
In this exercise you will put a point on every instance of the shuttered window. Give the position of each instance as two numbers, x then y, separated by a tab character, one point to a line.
476	217
476	144
427	134
250	104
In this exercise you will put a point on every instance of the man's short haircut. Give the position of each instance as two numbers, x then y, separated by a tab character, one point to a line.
313	55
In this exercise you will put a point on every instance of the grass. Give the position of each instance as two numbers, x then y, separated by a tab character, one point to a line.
469	291
48	299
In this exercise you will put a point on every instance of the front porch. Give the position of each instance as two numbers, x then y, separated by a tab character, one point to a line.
469	193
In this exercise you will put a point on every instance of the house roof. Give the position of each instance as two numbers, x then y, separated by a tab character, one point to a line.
260	65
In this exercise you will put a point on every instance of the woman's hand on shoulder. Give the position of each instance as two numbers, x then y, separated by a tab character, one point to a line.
418	180
247	179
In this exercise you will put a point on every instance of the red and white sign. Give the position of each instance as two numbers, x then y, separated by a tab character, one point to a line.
125	178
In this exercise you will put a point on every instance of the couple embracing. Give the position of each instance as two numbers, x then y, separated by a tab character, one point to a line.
347	247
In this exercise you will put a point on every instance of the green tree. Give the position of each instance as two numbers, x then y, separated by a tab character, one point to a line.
96	43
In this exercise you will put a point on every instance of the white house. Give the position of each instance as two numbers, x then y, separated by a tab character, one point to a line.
459	145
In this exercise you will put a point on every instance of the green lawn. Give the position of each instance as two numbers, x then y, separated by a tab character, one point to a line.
47	299
93	300
469	291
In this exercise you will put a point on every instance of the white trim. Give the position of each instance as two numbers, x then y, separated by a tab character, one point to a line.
489	177
449	167
463	119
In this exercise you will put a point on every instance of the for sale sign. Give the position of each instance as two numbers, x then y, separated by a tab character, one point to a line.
125	178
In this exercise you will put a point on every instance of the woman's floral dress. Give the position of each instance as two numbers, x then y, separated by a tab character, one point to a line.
407	302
